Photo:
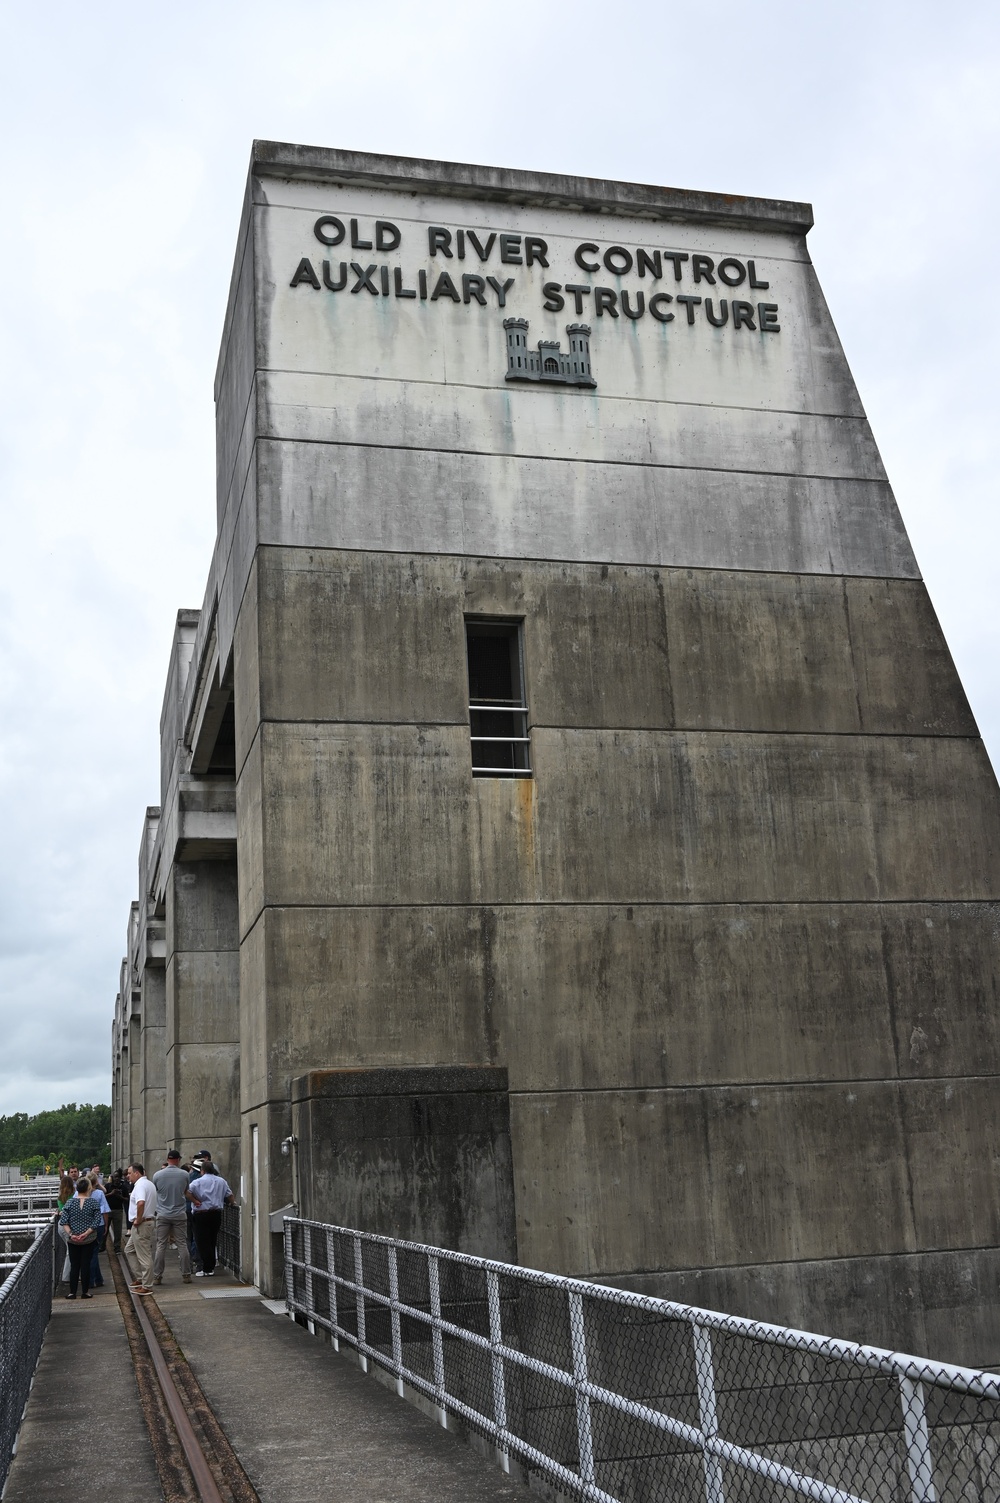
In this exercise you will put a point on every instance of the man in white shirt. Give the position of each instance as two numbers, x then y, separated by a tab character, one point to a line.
142	1215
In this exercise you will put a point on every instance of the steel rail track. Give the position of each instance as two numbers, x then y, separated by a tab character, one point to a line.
203	1485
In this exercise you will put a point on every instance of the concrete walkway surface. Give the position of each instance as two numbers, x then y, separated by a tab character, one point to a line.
83	1435
306	1424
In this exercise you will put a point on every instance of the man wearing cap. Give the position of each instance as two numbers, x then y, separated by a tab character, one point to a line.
171	1216
201	1158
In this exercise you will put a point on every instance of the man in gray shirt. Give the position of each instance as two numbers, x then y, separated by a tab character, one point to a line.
171	1184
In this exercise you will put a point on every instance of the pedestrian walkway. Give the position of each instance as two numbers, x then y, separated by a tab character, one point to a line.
83	1436
305	1423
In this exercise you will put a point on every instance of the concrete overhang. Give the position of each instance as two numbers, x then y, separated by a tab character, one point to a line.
544	190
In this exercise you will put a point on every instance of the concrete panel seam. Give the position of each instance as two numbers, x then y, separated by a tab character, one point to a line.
743	1085
652	730
713	1268
840	417
944	902
558	459
636	563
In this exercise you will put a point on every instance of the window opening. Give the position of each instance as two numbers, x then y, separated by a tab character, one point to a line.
498	710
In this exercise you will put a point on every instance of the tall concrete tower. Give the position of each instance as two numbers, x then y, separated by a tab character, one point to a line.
601	740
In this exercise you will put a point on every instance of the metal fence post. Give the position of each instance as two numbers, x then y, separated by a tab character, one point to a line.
705	1371
496	1341
437	1341
307	1260
359	1301
290	1297
397	1335
331	1269
919	1462
578	1340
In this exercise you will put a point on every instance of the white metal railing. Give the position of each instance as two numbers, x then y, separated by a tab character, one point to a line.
516	742
619	1398
29	1196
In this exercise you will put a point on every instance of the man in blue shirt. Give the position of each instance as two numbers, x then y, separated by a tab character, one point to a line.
208	1194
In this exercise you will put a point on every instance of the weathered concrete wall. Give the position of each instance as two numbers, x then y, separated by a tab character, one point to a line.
153	1066
202	1024
735	940
421	1154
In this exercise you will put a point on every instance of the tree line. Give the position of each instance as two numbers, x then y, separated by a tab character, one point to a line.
80	1134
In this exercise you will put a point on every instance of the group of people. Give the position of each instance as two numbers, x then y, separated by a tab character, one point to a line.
181	1205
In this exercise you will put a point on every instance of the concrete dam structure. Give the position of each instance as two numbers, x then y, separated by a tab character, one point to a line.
574	843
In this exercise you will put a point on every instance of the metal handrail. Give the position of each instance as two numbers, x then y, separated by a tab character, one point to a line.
328	1287
25	1307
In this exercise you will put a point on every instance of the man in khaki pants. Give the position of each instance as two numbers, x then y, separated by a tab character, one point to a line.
142	1215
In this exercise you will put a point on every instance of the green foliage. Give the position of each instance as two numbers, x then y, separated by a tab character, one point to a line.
79	1133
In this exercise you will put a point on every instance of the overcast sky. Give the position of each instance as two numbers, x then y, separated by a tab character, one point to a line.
128	131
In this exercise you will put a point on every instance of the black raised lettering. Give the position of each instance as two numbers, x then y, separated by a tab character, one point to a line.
605	301
460	244
618	253
652	263
439	240
304	273
767	314
723	318
677	257
501	290
578	256
690	304
337	286
482	251
578	293
397	283
445	287
473	287
364	278
753	278
535	249
387	236
356	242
655	308
743	315
626	308
384	279
732	272
554	300
510	249
703	266
422	284
329	229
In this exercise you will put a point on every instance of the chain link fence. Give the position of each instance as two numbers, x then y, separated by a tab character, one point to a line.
618	1398
25	1307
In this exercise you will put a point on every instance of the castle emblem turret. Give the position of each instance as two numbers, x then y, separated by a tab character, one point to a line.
549	362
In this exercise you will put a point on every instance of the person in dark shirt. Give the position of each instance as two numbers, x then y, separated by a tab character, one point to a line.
83	1218
117	1192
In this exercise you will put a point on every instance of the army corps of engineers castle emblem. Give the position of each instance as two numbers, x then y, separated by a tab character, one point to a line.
549	363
